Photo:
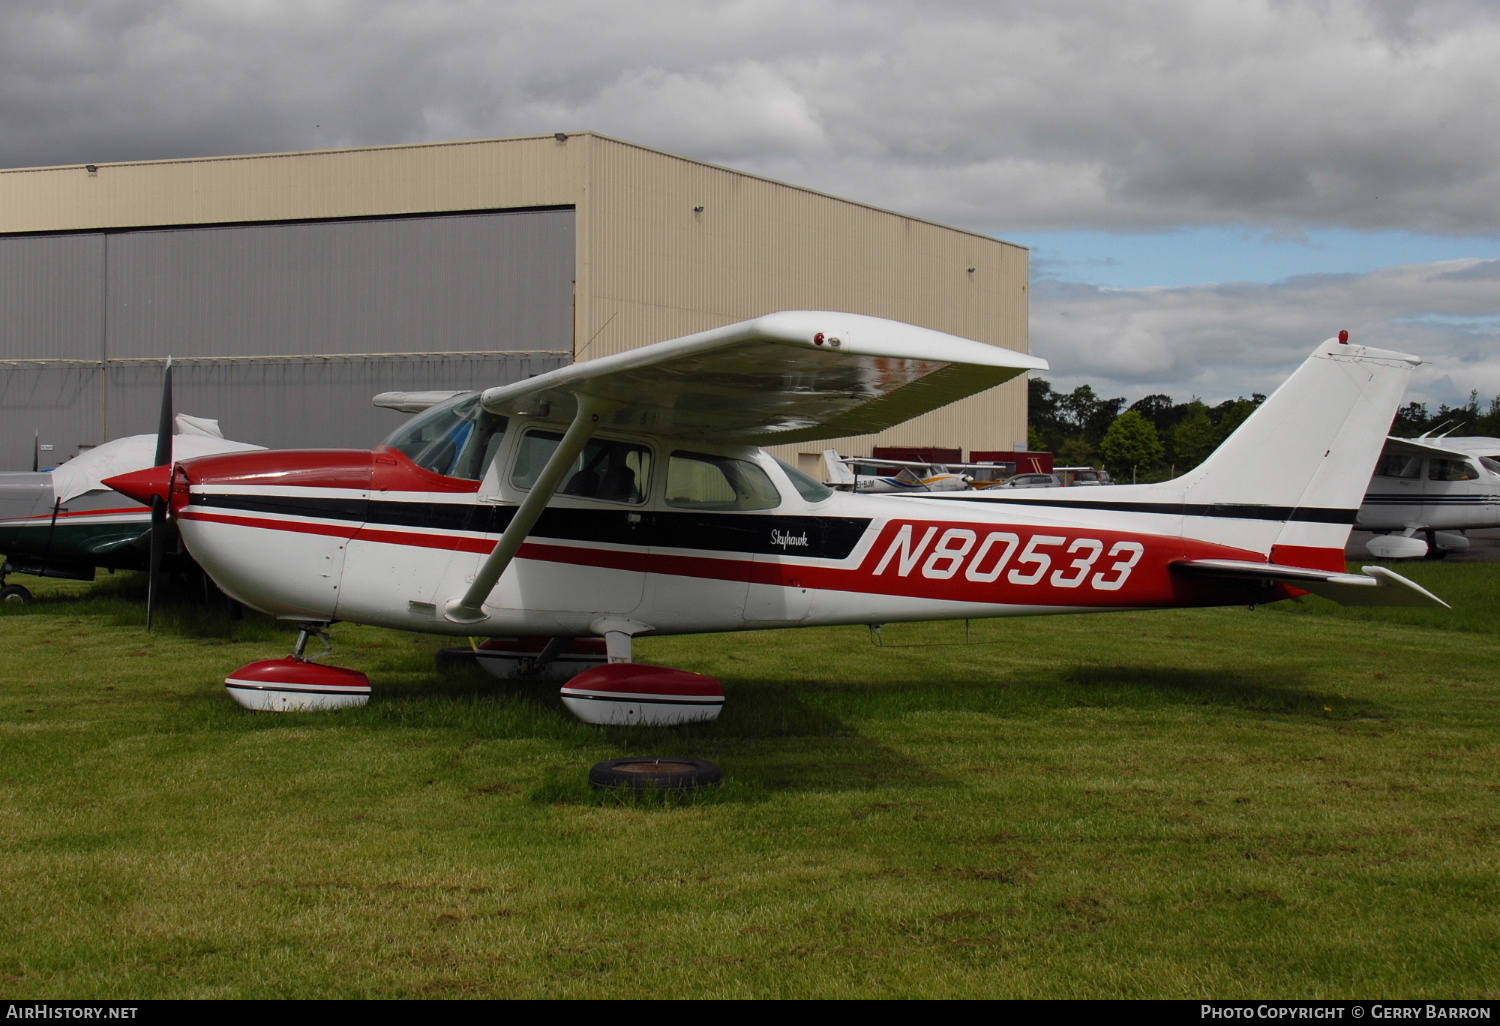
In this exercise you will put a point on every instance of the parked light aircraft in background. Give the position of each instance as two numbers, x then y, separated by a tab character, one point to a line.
65	522
1426	489
913	476
626	496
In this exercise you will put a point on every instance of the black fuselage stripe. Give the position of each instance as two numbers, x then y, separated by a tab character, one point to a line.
825	537
1472	497
1221	510
638	700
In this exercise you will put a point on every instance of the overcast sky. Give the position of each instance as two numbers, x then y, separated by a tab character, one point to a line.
1210	187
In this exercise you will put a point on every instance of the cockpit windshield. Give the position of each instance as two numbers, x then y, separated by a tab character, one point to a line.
807	487
458	438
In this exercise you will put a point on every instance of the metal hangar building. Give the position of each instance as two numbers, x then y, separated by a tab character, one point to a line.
291	288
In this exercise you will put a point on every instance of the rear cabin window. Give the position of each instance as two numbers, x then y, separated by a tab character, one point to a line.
1400	465
458	438
700	481
607	470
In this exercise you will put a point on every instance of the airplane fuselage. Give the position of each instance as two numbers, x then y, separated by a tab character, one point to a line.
371	537
41	536
1456	491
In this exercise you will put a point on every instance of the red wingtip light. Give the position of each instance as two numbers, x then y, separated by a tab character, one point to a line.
818	339
144	485
1343	338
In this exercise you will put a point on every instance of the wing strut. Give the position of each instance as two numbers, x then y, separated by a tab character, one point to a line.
470	608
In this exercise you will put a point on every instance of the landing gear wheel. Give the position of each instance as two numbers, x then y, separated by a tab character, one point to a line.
665	773
14	593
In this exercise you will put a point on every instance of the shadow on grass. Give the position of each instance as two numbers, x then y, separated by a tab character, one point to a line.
464	697
812	708
1264	692
776	733
768	741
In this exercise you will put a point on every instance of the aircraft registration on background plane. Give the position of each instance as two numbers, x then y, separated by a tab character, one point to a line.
627	496
1426	489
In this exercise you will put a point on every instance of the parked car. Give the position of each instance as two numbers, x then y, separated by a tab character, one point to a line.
1091	477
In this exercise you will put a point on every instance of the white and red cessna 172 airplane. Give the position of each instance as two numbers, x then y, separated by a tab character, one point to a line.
626	496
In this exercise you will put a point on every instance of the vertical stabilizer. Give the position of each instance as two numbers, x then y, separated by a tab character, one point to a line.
1309	451
1288	483
1314	442
835	471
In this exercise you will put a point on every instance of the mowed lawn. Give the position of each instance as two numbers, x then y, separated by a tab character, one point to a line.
1210	803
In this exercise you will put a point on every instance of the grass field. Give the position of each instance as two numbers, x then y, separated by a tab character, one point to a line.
1285	802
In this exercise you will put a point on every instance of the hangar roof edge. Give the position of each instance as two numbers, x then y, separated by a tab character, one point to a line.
465	143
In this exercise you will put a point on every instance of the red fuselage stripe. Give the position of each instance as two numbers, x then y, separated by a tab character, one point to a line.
63	514
1150	583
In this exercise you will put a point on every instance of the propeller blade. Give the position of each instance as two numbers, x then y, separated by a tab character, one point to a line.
158	549
36	453
159	503
164	424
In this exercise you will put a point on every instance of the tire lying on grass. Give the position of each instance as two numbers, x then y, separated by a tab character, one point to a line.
655	773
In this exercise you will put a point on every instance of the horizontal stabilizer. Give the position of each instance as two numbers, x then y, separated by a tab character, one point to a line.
1377	586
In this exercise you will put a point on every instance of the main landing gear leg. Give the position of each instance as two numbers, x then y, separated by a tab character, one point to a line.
296	683
617	646
1433	552
617	633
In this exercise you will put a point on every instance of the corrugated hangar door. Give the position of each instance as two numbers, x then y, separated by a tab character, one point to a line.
282	331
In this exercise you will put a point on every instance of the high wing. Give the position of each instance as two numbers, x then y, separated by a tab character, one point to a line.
1472	445
785	377
413	402
871	461
1423	447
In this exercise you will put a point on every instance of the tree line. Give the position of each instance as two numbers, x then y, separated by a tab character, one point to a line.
1155	438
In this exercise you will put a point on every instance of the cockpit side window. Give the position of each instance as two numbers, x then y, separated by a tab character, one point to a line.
698	480
1451	470
608	470
458	438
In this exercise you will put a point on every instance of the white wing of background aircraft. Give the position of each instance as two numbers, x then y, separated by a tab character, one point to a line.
913	475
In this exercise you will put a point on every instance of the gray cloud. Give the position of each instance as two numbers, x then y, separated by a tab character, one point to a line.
1220	341
999	116
996	116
